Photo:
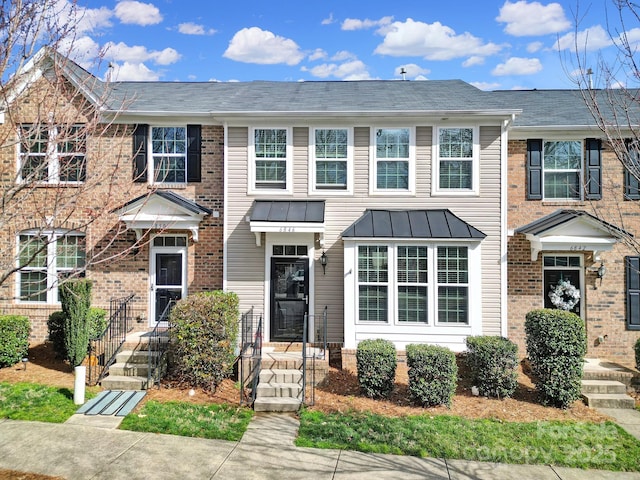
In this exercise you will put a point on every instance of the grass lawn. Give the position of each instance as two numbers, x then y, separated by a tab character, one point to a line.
223	422
33	402
571	444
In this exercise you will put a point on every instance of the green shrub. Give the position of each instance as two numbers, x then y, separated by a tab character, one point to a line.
97	322
637	348
75	297
556	345
204	329
14	339
55	325
376	364
493	362
433	374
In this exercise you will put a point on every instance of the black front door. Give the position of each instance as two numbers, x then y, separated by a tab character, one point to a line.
289	298
551	279
169	282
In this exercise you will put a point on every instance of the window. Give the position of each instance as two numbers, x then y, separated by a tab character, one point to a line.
394	284
555	169
393	159
632	170
270	150
52	153
44	259
457	159
169	154
453	285
331	152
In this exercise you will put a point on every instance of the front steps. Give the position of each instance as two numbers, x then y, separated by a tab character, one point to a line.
131	368
604	385
280	382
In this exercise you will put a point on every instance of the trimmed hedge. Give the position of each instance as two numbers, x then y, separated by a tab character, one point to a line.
493	362
556	345
97	318
203	334
637	348
14	339
433	374
376	362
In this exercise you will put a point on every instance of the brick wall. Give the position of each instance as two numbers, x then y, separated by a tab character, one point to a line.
604	302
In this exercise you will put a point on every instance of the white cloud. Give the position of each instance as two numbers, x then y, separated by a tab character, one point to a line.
352	70
329	20
412	71
318	54
356	24
137	13
254	45
473	61
518	66
80	20
83	50
432	41
593	38
534	47
121	52
134	72
343	55
190	28
525	19
485	85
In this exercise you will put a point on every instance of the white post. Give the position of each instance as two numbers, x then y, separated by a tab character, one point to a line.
78	388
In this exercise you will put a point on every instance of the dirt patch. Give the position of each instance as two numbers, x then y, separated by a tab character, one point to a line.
14	475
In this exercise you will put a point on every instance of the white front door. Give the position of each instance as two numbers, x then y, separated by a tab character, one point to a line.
167	275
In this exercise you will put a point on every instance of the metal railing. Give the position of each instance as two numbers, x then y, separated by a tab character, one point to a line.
312	351
103	350
250	357
158	345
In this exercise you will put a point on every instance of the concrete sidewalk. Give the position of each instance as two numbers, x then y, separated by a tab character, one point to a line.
266	451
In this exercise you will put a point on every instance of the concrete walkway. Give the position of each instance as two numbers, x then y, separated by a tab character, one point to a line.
79	451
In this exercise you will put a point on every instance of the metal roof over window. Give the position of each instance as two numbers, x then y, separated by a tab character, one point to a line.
426	224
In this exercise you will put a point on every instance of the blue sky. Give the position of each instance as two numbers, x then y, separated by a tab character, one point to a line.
493	44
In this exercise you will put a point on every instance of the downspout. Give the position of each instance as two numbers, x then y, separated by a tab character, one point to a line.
504	202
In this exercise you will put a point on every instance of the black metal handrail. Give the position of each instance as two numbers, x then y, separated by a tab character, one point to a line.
310	353
250	357
158	346
103	350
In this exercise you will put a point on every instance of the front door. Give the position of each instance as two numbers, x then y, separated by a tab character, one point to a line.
559	268
289	298
168	272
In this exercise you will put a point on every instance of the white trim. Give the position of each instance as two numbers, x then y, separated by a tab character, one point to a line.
325	192
475	163
373	162
225	209
153	250
251	162
504	232
151	166
580	171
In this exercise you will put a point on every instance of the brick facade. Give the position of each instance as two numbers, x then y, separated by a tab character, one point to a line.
604	300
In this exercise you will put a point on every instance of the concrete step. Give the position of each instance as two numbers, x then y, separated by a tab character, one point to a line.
120	382
279	390
276	362
135	356
603	386
280	376
275	404
129	369
608	400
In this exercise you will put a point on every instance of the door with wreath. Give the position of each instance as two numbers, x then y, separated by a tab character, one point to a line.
562	290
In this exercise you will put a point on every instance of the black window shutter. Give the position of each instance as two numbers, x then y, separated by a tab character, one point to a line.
631	183
534	169
194	155
140	153
593	167
632	267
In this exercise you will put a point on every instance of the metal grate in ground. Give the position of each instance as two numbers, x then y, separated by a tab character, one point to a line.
112	402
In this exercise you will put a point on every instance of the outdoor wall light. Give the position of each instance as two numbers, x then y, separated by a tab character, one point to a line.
602	271
323	262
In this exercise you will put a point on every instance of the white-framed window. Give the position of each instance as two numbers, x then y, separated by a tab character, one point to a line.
457	159
393	160
52	153
331	163
270	153
562	169
413	284
44	259
169	154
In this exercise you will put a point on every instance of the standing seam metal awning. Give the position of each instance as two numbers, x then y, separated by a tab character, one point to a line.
291	216
426	224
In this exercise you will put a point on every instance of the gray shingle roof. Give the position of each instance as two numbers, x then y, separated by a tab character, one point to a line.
411	224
